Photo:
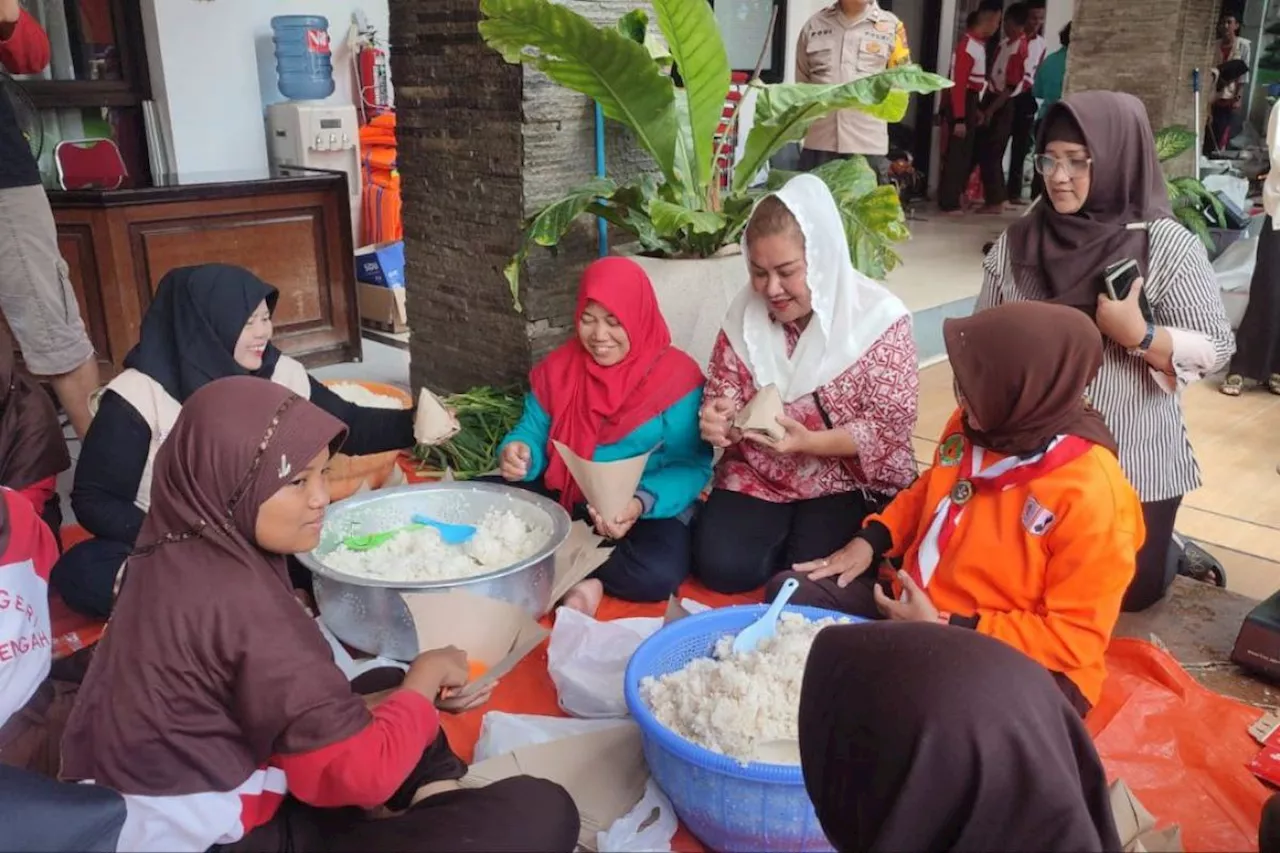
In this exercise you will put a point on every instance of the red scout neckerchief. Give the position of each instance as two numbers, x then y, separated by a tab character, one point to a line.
1007	473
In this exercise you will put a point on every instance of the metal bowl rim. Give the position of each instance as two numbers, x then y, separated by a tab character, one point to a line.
560	523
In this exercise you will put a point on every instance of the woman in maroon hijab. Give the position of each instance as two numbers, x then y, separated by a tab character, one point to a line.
1105	202
213	703
962	744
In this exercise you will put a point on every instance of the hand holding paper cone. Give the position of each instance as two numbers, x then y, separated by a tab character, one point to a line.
761	414
607	486
434	422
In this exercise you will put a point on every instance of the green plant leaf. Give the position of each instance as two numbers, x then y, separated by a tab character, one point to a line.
848	179
635	25
1194	222
548	225
1198	196
1172	141
873	223
601	63
670	219
693	37
785	112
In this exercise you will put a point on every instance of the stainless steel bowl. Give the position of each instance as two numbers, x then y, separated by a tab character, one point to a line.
369	614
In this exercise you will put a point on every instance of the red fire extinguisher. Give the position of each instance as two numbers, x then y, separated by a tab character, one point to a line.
375	79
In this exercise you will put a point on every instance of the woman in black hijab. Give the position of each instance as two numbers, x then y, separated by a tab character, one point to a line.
204	323
921	737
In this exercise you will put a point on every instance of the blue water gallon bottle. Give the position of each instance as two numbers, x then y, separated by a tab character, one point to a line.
304	61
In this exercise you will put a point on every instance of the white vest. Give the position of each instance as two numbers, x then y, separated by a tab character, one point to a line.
160	410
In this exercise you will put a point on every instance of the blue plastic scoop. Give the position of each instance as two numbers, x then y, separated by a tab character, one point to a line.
767	625
452	534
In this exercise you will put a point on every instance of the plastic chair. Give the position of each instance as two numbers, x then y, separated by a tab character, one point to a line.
85	164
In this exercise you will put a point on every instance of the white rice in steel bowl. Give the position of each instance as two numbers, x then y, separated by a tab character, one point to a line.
734	703
420	555
355	392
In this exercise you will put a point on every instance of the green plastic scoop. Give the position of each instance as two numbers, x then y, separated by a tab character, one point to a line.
452	534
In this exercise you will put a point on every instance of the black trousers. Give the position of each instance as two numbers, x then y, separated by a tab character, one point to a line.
993	140
957	163
648	564
517	814
740	542
85	575
1024	121
1157	567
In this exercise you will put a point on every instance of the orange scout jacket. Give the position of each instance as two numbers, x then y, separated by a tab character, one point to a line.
1042	566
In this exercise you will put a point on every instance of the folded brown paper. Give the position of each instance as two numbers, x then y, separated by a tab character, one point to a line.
578	557
433	423
761	414
675	611
396	477
496	633
603	771
1137	827
607	486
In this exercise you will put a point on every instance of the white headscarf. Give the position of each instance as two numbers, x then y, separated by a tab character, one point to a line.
850	311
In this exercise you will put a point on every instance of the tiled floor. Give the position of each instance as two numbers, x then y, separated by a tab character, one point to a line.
1235	515
942	262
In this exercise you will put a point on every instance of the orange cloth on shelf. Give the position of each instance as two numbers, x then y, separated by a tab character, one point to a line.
380	197
1043	565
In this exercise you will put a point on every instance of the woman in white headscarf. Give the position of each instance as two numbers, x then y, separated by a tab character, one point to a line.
838	348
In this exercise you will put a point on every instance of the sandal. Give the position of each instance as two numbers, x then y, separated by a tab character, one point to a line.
1273	384
1233	385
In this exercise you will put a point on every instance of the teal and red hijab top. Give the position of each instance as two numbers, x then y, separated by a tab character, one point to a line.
590	404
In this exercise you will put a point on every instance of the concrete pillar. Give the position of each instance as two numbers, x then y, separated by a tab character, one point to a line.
1145	47
481	144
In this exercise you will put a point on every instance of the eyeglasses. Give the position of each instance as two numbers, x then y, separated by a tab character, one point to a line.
1076	166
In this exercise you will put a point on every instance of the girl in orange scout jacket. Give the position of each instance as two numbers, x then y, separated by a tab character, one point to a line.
1025	528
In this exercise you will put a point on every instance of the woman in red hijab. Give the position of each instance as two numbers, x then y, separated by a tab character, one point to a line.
616	390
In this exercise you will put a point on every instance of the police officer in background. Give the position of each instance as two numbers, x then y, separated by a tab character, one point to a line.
847	41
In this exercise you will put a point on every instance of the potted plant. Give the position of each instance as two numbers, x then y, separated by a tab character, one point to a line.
1199	210
679	216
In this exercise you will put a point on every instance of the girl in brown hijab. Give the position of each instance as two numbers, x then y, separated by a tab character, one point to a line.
33	451
1024	529
1105	202
213	703
963	745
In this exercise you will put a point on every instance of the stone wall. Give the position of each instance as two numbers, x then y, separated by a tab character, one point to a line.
1145	47
481	144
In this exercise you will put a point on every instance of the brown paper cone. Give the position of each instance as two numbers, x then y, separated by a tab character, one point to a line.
607	486
578	557
433	424
761	414
1132	819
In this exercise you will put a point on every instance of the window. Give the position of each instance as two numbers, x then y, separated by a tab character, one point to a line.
96	81
743	26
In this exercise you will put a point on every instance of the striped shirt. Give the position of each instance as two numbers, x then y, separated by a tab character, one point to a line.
1142	408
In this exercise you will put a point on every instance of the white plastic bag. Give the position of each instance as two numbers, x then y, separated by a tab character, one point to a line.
347	664
501	733
647	828
588	659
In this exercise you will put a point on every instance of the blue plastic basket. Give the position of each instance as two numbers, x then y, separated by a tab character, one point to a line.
727	805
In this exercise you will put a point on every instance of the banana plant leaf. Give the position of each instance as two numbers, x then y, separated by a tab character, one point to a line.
601	63
693	37
548	225
785	112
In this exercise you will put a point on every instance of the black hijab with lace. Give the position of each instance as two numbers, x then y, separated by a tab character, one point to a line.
190	330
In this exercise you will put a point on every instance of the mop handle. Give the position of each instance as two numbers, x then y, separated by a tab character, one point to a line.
1195	89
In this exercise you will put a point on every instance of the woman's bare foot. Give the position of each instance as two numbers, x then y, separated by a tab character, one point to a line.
585	597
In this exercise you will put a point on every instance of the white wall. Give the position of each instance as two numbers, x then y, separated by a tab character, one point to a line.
213	72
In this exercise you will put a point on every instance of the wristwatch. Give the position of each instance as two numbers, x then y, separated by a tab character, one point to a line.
1141	349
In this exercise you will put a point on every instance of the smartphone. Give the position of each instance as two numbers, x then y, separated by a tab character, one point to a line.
1117	281
1118	278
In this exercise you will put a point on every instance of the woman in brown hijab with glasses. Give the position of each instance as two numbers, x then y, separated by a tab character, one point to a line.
213	703
1024	529
1105	202
963	745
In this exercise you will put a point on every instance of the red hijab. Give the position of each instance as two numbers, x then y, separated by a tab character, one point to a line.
591	405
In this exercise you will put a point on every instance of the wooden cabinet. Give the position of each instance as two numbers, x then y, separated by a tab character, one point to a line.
293	232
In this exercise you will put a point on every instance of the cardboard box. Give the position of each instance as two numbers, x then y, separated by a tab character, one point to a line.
383	307
381	265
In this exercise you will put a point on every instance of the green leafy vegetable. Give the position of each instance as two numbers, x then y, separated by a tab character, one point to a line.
486	415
